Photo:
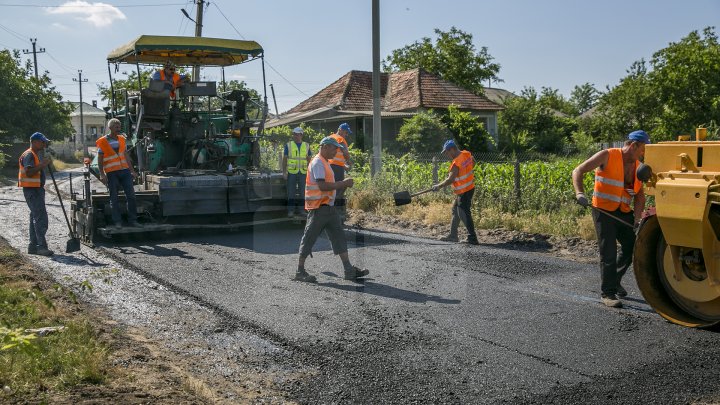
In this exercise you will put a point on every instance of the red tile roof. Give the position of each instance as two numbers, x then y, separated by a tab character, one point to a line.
400	91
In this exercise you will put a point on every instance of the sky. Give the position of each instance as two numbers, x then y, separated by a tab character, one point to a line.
310	44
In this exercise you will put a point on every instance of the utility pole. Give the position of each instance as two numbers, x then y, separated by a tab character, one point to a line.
198	33
377	127
80	81
35	51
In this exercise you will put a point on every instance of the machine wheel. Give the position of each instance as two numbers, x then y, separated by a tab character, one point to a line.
656	274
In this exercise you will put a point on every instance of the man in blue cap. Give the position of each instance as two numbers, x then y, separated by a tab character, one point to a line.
31	177
616	188
320	190
462	178
340	161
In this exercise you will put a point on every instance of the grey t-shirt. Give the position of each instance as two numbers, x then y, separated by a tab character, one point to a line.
29	161
317	172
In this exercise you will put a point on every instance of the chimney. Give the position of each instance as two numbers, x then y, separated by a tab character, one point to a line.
95	103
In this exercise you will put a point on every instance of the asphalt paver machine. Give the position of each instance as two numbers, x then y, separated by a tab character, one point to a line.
677	250
198	154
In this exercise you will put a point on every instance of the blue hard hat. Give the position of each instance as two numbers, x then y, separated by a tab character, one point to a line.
449	144
345	126
37	136
640	136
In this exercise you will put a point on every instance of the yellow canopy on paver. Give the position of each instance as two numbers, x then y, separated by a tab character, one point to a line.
186	51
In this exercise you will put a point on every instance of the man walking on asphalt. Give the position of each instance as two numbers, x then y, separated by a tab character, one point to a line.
116	171
616	186
320	189
339	162
31	177
462	178
296	158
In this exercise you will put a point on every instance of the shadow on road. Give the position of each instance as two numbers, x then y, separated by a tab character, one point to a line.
382	290
158	251
75	261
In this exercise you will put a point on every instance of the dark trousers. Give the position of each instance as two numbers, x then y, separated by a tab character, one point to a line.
35	198
609	232
325	219
295	185
461	212
339	172
122	178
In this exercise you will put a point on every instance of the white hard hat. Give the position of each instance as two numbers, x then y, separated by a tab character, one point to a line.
298	130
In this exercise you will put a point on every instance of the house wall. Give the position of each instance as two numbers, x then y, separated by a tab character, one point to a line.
94	127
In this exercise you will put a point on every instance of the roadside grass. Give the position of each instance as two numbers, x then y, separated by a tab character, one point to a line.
568	220
31	364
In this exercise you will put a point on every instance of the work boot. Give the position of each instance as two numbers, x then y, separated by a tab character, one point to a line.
621	292
44	251
611	301
353	273
32	249
305	277
136	224
449	238
471	241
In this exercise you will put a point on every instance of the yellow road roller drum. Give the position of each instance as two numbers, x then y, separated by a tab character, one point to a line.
677	250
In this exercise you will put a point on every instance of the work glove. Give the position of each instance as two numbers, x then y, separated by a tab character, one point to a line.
581	199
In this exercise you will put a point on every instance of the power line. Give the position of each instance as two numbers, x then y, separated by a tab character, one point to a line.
226	19
14	33
73	5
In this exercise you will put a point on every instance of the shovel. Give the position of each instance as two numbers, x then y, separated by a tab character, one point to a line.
73	244
404	197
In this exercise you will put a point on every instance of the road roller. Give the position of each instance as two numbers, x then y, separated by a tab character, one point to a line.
677	250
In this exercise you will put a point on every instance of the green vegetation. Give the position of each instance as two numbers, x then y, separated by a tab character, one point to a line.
30	363
544	203
29	104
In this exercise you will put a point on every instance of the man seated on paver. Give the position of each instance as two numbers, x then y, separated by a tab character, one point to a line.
172	80
320	189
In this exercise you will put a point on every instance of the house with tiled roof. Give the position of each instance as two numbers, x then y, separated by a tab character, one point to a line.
403	94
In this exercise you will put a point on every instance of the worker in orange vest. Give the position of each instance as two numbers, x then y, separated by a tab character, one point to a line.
340	162
320	190
462	178
616	188
116	171
31	178
172	80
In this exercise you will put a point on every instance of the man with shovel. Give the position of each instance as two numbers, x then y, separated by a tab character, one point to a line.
616	186
31	177
462	178
320	191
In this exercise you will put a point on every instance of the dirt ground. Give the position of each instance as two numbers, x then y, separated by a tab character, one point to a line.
568	248
139	371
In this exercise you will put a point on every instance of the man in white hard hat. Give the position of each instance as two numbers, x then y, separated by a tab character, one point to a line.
296	158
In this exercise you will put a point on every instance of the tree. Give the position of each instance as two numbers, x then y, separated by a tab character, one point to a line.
529	122
423	133
467	129
28	104
453	57
584	97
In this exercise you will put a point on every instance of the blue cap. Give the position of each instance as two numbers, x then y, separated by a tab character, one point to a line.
346	127
37	136
330	141
640	136
449	144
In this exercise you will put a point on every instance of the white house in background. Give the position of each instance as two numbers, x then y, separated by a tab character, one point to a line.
93	120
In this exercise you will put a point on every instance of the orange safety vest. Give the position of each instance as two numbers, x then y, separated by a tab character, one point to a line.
112	161
23	179
314	197
465	179
339	159
610	192
175	81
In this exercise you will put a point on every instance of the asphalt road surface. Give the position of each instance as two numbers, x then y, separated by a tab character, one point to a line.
435	322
